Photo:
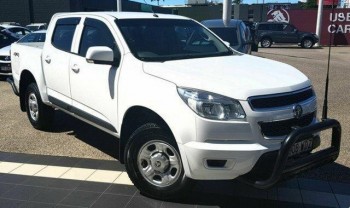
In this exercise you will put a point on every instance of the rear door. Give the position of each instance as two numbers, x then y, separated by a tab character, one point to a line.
94	85
56	57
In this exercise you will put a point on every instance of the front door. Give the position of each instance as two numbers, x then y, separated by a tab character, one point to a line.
94	86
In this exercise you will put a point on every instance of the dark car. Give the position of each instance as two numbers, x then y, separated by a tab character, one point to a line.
268	33
6	39
236	33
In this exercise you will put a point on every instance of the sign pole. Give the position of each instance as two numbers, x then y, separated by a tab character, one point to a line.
119	5
226	11
319	21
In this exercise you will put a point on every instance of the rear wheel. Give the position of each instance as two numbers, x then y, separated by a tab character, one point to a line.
154	164
307	43
266	42
39	114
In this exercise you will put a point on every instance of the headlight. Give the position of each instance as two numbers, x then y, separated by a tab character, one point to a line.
212	106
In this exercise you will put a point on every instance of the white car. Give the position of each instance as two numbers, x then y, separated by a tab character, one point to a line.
15	31
37	26
5	58
183	104
5	61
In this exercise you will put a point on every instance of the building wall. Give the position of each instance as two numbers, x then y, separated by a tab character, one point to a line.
44	9
200	12
14	11
30	11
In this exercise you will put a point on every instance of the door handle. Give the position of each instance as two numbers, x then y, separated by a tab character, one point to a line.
75	68
48	59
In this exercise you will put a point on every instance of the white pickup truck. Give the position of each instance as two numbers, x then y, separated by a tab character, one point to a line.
183	104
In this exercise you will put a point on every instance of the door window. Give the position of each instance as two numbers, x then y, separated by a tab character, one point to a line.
63	34
96	33
288	28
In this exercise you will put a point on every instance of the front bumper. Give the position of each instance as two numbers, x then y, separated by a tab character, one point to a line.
225	160
284	166
5	68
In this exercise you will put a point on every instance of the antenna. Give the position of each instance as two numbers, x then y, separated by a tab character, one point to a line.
325	101
154	14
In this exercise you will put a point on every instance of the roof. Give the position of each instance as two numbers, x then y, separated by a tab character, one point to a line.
220	23
127	15
37	24
12	26
39	31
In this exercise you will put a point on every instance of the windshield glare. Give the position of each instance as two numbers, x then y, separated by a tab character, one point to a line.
168	39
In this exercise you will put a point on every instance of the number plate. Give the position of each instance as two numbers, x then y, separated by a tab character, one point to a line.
300	147
6	69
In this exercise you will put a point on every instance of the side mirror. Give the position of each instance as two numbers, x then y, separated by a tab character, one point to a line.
100	55
227	43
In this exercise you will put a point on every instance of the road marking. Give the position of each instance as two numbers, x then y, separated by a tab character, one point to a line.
72	173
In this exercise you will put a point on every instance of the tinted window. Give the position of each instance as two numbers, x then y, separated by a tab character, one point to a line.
263	27
288	28
228	34
96	33
63	35
167	39
276	27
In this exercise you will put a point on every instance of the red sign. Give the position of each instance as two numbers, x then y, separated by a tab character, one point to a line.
329	2
336	26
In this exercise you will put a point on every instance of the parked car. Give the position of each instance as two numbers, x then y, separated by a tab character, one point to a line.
37	36
183	104
275	32
37	26
16	31
5	59
236	33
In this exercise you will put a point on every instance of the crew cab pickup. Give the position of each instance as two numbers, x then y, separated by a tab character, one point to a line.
183	104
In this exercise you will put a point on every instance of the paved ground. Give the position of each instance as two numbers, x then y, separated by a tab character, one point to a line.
49	181
73	140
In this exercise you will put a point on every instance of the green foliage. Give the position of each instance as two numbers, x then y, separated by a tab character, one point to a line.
310	4
237	2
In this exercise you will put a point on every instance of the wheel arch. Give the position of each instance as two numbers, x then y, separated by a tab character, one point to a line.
135	117
25	79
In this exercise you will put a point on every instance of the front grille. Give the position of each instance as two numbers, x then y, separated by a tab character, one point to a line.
280	100
2	58
285	127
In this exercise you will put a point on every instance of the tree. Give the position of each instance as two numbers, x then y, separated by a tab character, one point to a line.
237	2
310	4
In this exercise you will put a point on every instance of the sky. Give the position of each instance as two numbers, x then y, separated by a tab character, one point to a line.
181	2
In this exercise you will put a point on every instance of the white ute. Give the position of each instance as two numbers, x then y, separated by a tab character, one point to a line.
184	105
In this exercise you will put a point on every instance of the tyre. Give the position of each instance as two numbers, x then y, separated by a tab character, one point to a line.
39	114
154	164
266	42
307	43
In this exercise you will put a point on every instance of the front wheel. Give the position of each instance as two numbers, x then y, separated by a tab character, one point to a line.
307	43
39	114
154	164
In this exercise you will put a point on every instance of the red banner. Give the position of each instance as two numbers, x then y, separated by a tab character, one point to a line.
329	2
335	27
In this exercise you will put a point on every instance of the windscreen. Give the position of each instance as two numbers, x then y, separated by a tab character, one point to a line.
170	39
